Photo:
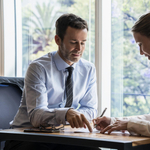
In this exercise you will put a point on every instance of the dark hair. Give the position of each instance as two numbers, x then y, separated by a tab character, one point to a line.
142	26
71	20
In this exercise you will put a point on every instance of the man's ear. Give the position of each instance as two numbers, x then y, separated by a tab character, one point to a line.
57	40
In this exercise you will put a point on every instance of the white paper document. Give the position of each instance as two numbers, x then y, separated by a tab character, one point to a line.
83	130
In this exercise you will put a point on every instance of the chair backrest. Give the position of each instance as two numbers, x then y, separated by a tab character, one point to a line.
10	96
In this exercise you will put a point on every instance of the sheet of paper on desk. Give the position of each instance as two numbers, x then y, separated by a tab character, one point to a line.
83	130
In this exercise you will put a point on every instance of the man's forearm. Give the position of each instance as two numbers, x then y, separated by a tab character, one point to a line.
46	117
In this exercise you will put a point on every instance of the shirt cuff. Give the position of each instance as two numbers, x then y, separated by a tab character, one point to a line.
60	115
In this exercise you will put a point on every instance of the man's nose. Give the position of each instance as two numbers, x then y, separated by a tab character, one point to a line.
78	46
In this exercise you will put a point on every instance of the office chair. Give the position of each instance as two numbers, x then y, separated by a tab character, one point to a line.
10	95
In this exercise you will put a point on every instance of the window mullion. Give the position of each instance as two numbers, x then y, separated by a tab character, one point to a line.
103	53
1	39
9	38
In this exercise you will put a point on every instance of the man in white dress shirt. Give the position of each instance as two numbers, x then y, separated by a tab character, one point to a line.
44	98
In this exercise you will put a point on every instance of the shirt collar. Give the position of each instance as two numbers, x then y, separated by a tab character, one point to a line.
60	63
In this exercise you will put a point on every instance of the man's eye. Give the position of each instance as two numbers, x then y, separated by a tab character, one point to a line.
73	42
82	43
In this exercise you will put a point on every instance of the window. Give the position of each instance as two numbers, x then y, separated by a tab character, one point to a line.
122	74
130	93
38	27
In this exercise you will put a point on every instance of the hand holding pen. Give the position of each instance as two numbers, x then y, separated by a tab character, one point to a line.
96	121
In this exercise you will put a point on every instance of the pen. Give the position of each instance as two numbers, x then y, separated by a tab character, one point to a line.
99	116
103	112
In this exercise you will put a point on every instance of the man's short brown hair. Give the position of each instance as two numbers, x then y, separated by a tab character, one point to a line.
66	20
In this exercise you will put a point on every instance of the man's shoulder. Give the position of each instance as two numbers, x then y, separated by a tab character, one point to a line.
86	68
44	60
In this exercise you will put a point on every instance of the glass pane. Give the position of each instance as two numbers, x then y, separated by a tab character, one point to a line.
38	26
130	94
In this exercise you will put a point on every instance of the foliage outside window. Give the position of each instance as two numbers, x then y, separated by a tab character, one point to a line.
38	26
130	73
130	94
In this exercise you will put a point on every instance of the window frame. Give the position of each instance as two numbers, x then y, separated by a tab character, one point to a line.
7	34
18	32
1	39
103	54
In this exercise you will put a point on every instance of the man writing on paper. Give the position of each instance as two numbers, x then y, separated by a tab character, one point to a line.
58	82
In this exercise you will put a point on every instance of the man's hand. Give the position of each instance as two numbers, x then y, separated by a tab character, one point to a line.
77	119
101	122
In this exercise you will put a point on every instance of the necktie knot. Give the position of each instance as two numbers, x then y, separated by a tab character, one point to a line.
70	70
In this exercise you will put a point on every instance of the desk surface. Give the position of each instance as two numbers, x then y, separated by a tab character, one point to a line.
68	136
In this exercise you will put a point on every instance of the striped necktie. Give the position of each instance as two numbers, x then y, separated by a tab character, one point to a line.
69	88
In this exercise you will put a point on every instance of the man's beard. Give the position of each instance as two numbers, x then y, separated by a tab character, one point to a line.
67	55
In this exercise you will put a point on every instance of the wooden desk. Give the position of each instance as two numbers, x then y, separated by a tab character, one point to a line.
115	140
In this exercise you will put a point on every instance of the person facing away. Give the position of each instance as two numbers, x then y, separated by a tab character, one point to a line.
44	97
136	124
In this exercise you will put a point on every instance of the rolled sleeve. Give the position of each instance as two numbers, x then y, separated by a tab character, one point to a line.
61	114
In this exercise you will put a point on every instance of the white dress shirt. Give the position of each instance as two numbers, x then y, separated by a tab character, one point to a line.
44	95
